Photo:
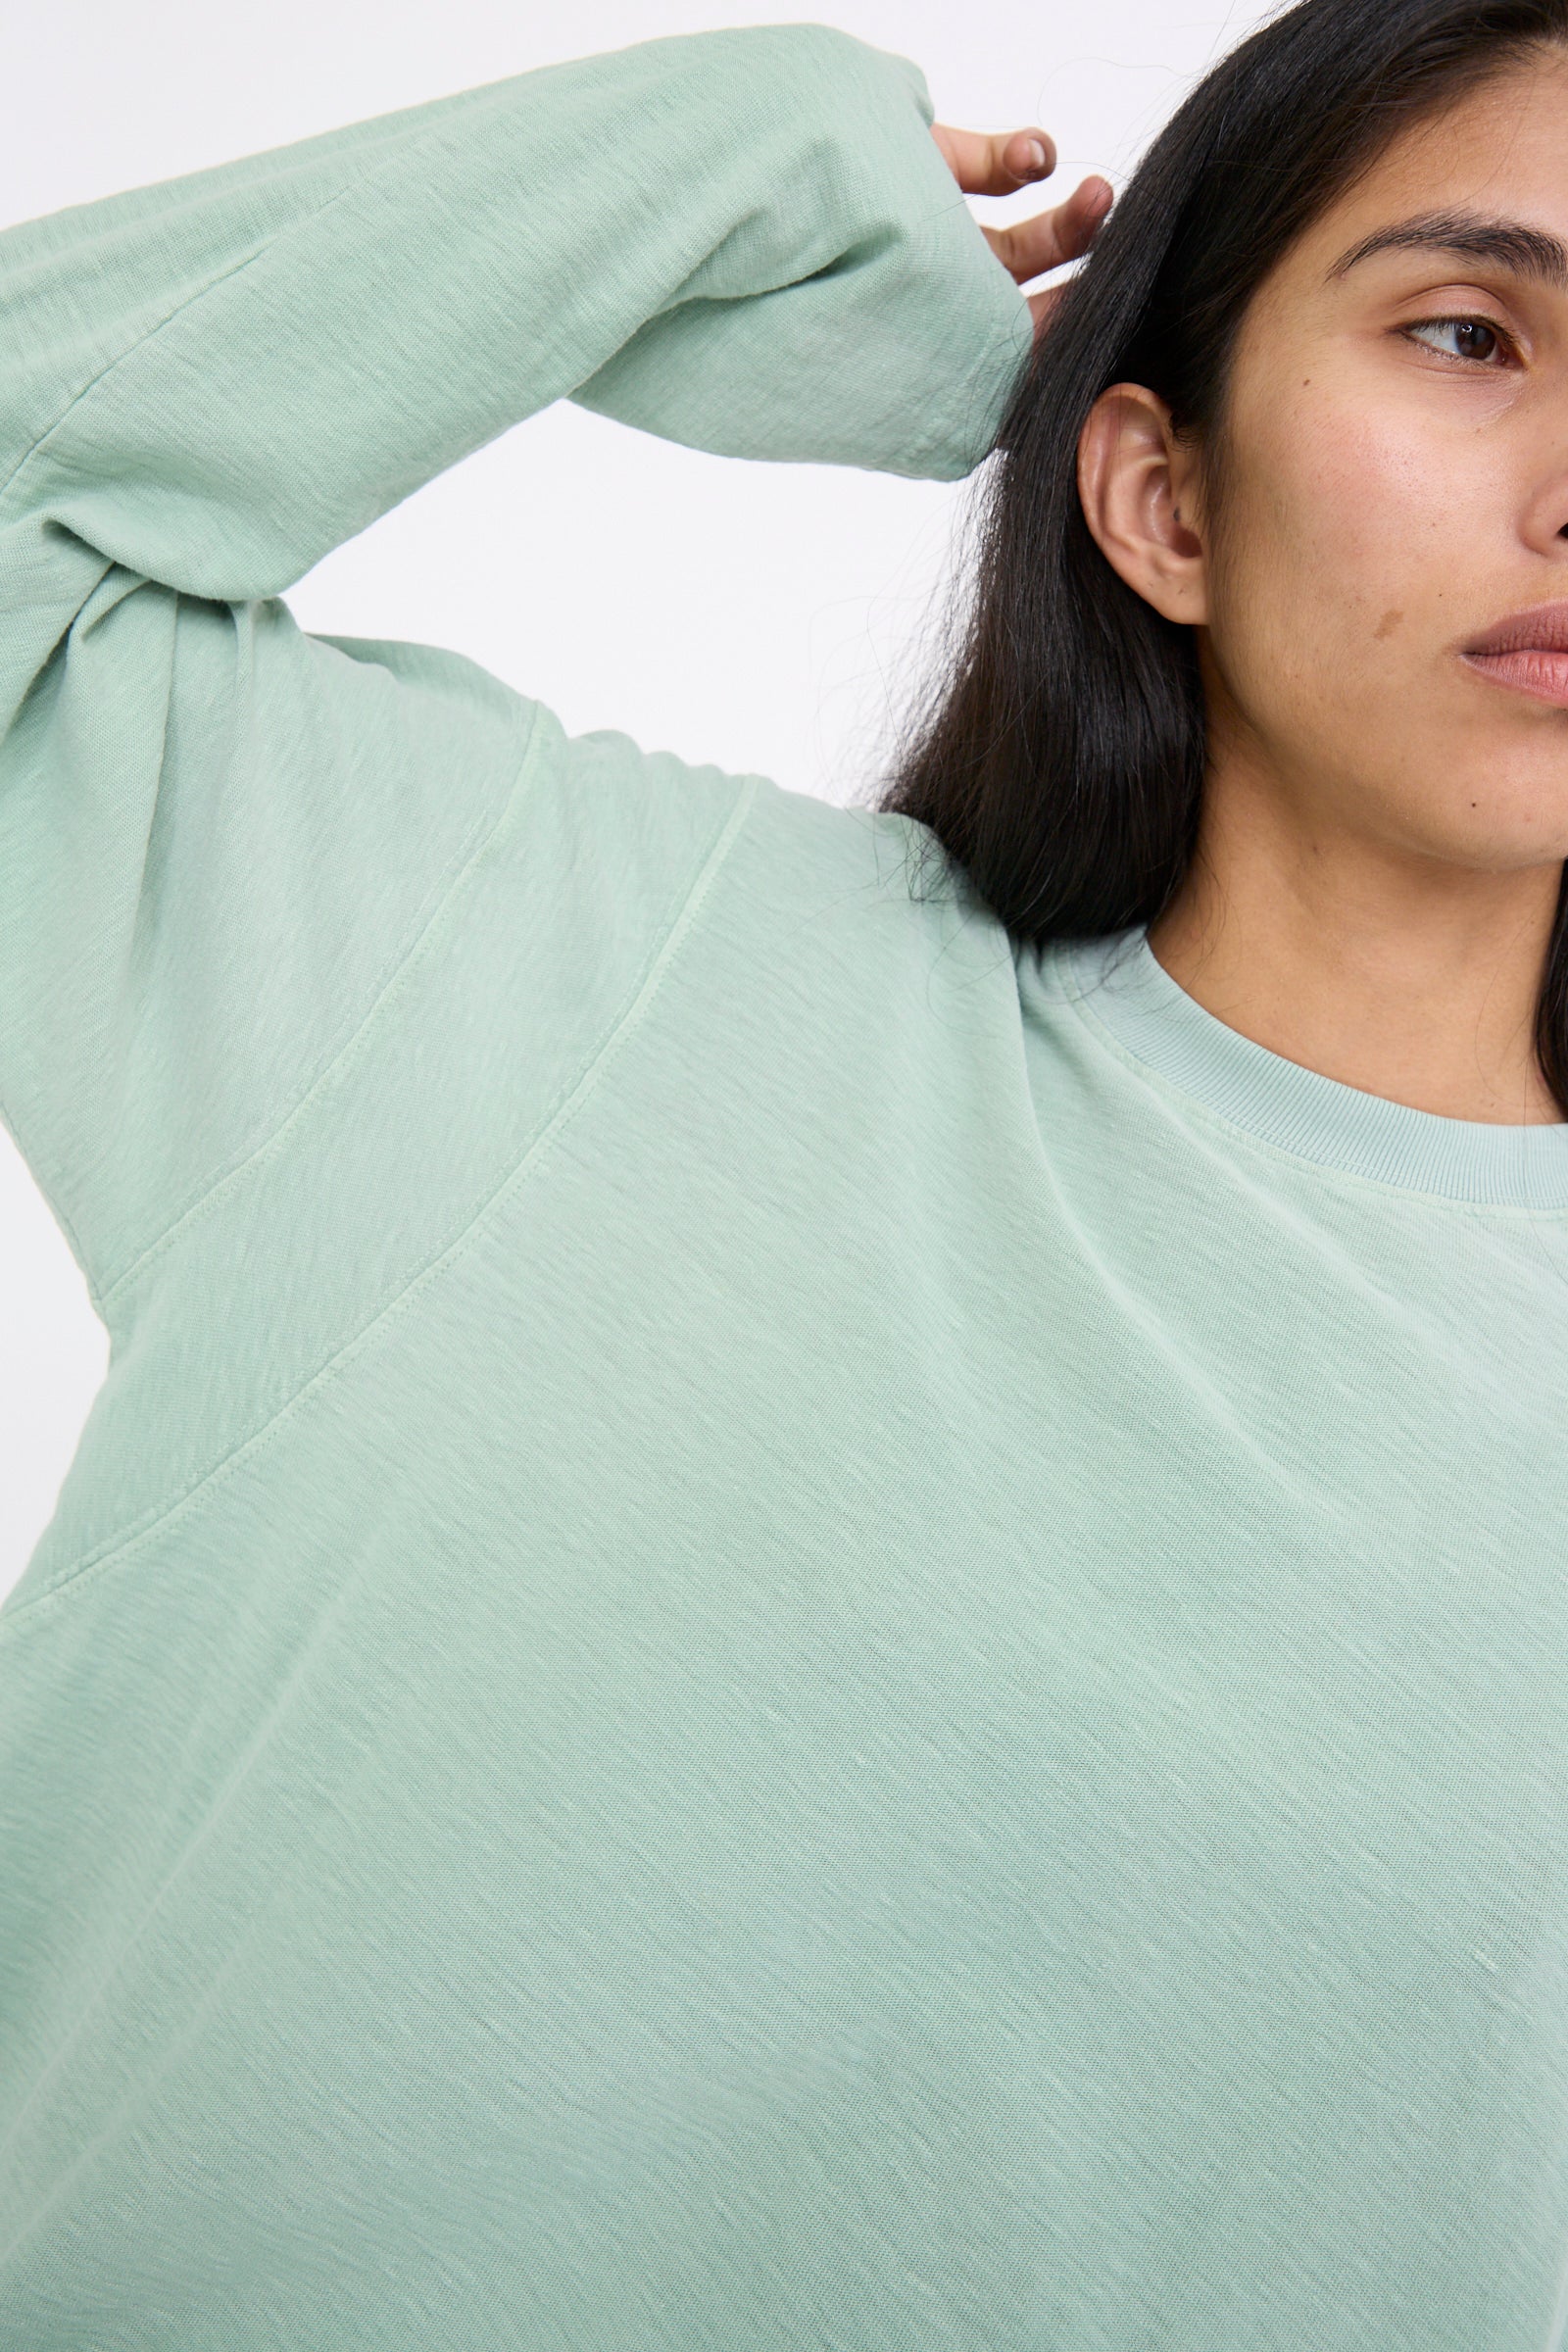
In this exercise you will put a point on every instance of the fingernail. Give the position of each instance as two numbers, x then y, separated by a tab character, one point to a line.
1037	156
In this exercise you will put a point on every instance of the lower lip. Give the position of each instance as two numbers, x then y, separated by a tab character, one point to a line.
1531	670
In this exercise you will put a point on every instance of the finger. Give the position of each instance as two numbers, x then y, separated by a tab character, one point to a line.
996	163
1045	240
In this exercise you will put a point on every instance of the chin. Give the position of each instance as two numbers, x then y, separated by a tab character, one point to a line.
1488	840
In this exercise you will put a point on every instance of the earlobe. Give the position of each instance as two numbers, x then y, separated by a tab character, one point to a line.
1137	495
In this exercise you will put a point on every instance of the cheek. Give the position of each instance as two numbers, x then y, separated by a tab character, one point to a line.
1334	567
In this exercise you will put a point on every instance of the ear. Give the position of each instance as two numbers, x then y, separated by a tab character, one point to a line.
1138	485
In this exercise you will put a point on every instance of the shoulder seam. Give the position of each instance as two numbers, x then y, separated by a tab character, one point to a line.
119	1547
478	840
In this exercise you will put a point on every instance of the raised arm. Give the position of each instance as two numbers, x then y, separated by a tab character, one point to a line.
219	836
747	241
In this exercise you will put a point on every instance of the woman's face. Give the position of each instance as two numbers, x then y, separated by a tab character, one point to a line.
1396	485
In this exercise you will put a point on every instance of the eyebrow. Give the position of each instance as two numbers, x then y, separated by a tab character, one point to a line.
1508	244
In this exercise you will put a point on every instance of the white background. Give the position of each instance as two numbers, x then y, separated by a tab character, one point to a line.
762	617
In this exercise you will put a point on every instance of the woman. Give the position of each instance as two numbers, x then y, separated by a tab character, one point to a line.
805	1611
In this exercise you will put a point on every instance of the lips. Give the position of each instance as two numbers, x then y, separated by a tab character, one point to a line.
1541	628
1527	652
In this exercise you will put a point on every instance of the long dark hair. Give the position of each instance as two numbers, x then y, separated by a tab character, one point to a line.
1059	761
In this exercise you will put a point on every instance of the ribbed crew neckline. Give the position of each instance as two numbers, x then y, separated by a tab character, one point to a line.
1119	984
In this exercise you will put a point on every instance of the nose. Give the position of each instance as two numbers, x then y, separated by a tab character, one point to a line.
1546	516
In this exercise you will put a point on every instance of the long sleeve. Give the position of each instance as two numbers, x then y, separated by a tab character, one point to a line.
218	835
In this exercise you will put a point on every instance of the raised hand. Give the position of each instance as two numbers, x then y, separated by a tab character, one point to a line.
994	164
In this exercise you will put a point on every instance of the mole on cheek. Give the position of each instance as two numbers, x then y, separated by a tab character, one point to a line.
1387	624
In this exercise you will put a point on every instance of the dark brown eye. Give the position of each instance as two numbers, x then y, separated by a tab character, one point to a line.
1459	338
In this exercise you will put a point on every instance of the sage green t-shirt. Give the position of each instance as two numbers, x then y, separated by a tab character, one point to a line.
781	1631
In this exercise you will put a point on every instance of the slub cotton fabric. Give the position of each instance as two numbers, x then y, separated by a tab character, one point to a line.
780	1628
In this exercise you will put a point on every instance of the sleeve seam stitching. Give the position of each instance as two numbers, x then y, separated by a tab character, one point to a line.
115	1549
473	848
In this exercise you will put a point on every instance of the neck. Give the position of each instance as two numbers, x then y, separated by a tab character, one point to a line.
1389	970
